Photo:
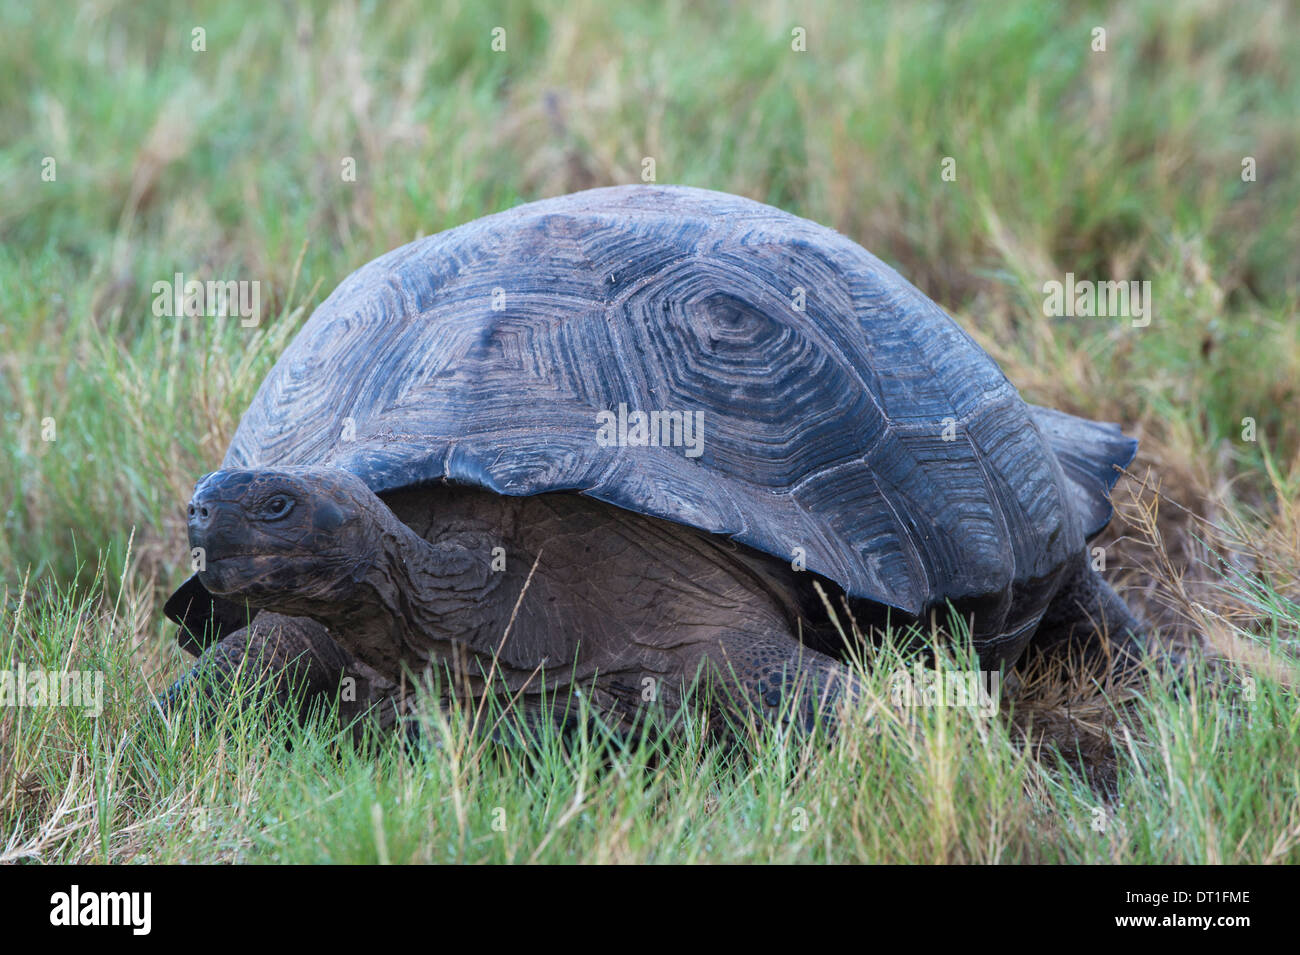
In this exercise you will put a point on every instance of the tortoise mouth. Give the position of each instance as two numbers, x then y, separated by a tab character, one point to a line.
276	554
262	575
227	573
233	573
266	560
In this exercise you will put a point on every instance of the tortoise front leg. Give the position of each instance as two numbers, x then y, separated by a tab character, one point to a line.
295	660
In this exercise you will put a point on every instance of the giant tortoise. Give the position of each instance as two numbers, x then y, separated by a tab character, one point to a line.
609	442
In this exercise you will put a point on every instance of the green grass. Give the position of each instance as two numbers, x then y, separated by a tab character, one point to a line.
1206	774
226	164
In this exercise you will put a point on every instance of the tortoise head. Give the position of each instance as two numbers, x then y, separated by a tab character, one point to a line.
284	538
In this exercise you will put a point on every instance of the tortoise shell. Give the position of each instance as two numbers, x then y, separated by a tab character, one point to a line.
837	416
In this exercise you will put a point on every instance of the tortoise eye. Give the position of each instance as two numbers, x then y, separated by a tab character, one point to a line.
278	506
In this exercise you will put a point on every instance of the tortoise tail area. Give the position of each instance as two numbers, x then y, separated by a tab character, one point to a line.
1091	454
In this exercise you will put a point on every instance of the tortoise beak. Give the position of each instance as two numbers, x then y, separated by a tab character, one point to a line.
216	533
212	516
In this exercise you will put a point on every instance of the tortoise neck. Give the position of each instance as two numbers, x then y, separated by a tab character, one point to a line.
411	603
